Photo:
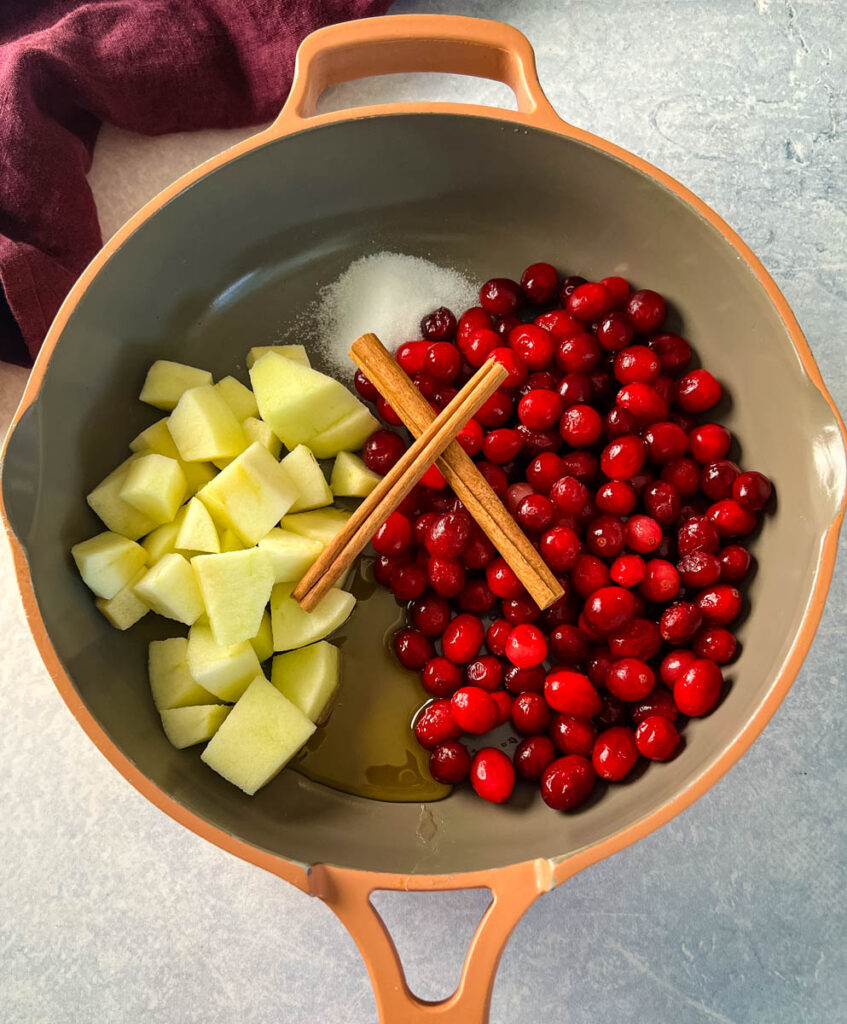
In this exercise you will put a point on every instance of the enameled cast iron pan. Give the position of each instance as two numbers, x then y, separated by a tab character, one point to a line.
222	258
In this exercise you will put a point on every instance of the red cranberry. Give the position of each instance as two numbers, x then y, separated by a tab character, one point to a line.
659	702
477	598
697	391
605	536
524	680
599	662
430	614
662	502
474	710
719	605
643	534
575	389
410	356
479	345
569	644
558	324
680	622
615	332
568	494
697	534
623	457
608	608
428	386
573	692
540	282
526	646
614	712
698	689
716	644
540	409
535	513
646	309
496	411
382	450
515	494
496	636
656	738
501	445
573	734
500	296
618	288
643	401
674	352
433	479
561	612
567	782
730	519
674	664
439	325
443	361
448	534
504	706
479	550
752	490
639	638
589	575
560	548
435	724
520	609
485	672
387	414
492	775
532	756
583	465
502	580
543	472
569	285
709	442
615	753
580	425
683	475
735	563
517	372
472	320
532	345
530	714
630	679
449	763
462	638
589	302
446	576
407	582
578	353
665	441
716	479
505	325
534	442
384	567
441	677
412	648
699	569
365	388
616	498
637	363
394	537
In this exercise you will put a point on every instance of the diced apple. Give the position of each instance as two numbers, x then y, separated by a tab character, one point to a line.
351	478
261	433
170	588
197	475
290	554
125	608
230	541
322	524
156	438
224	671
166	382
204	427
185	727
259	737
296	353
162	540
347	435
250	495
108	562
155	485
302	469
235	587
197	532
239	398
116	514
309	678
296	401
292	627
263	643
170	681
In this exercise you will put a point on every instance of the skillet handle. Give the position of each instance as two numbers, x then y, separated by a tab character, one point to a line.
348	894
409	43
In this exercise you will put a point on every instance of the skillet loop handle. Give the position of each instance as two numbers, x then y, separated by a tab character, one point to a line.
413	43
513	889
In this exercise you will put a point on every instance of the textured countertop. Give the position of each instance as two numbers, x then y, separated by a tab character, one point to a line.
734	912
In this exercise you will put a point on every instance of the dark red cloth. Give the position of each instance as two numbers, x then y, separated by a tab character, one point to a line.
150	66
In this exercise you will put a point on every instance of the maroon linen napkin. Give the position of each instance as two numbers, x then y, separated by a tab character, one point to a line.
150	66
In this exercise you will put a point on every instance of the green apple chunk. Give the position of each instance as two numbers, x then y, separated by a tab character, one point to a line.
197	531
230	541
296	353
235	587
162	540
347	435
302	469
197	474
351	478
224	671
171	683
263	642
292	627
204	428
290	554
259	737
170	589
250	495
118	515
156	438
166	382
108	562
309	678
186	727
261	433
322	524
125	608
296	401
156	486
239	398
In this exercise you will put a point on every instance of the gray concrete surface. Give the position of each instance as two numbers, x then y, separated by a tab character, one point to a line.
733	913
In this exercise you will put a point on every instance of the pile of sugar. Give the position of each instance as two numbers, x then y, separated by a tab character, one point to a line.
388	294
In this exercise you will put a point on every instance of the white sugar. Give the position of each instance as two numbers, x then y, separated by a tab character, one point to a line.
388	294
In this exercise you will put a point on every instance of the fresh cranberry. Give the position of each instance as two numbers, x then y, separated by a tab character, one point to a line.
532	756
646	309
674	352
716	644
569	644
680	622
446	576
563	611
436	724
568	494
508	358
535	513
462	638
407	582
474	710
589	302
433	479
439	325
573	734
615	753
567	782
471	320
365	388
719	605
560	548
573	692
752	490
496	636
533	346
735	563
526	646
515	494
496	411
608	608
428	386
665	441
659	702
575	389
579	353
674	664
485	672
697	534
636	363
588	575
441	677
709	442
662	502
520	609
430	614
627	570
411	355
492	775
540	282
524	680
449	763
503	700
530	714
583	465
500	296
477	598
618	288
443	361
501	445
730	519
630	679
580	425
683	474
543	472
502	580
717	478
639	638
699	569
599	662
534	442
448	534
615	332
569	285
412	648
479	345
643	401
656	738
385	566
697	391
643	534
382	450
623	457
394	537
540	410
616	497
605	536
558	324
614	712
505	325
698	689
